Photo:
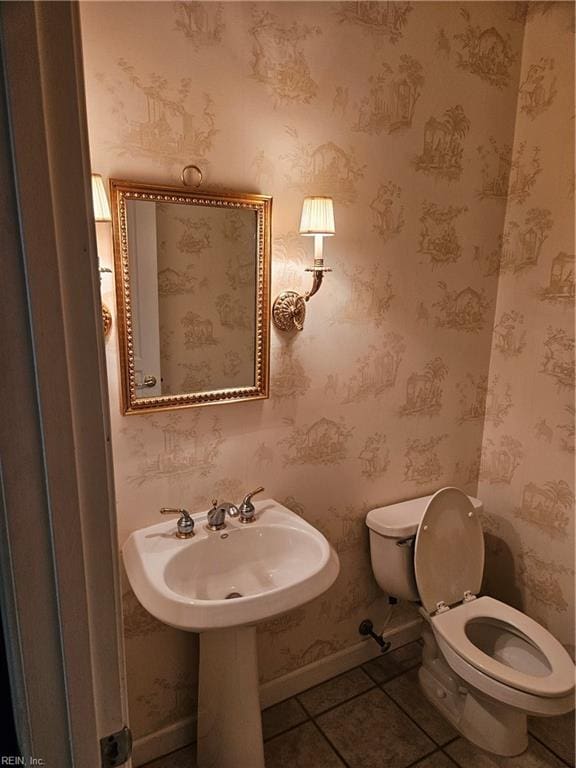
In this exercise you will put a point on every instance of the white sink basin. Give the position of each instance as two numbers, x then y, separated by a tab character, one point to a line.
269	566
264	568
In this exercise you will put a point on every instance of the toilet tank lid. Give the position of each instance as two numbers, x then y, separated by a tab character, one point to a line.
403	518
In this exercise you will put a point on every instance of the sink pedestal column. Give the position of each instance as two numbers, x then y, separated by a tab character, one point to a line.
229	718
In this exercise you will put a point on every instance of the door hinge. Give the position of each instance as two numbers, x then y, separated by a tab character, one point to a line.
116	748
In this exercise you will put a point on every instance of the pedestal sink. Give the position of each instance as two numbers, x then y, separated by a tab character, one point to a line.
221	584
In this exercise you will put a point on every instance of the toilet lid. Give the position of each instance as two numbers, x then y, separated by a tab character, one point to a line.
449	550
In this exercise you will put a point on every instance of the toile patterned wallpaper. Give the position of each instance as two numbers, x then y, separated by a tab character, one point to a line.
526	468
447	228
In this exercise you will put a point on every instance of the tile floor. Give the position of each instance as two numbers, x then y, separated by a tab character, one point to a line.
375	716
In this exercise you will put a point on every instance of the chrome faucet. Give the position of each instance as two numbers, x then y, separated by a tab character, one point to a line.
246	509
185	525
217	515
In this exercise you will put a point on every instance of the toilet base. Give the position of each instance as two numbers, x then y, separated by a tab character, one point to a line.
495	727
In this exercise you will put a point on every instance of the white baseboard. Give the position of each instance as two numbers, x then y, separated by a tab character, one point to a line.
183	732
319	671
165	740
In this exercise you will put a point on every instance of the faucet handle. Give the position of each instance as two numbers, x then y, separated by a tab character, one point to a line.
248	497
174	511
185	524
246	509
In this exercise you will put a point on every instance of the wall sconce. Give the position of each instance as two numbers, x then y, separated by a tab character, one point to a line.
317	220
100	199
102	214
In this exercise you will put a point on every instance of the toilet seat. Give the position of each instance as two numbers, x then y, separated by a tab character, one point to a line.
451	627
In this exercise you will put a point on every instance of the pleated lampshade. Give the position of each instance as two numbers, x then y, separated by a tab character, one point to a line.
317	216
100	199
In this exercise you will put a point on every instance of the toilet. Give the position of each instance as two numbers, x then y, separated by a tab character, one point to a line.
485	665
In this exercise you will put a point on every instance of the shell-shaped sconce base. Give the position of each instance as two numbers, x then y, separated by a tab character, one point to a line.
289	311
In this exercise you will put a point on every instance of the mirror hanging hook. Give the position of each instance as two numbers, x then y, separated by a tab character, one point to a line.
190	168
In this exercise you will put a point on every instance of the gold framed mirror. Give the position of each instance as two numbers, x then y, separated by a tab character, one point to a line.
193	295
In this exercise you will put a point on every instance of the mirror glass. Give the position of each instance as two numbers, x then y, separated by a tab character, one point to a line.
194	282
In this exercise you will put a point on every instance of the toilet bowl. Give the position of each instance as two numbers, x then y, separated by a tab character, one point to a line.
486	665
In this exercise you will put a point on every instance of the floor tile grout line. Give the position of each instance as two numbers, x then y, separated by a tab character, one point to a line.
409	716
287	730
543	744
407	713
414	763
345	763
331	680
335	706
353	669
393	677
313	717
435	746
366	672
375	685
448	755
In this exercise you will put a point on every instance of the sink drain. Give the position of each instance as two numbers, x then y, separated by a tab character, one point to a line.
232	595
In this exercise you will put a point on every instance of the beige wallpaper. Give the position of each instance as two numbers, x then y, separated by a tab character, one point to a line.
404	113
527	463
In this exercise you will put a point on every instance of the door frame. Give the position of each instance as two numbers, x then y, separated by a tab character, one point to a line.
61	600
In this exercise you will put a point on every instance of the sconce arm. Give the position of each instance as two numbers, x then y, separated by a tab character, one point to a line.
318	269
317	278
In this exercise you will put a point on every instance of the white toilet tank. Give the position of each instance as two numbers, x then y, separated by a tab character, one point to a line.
392	532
